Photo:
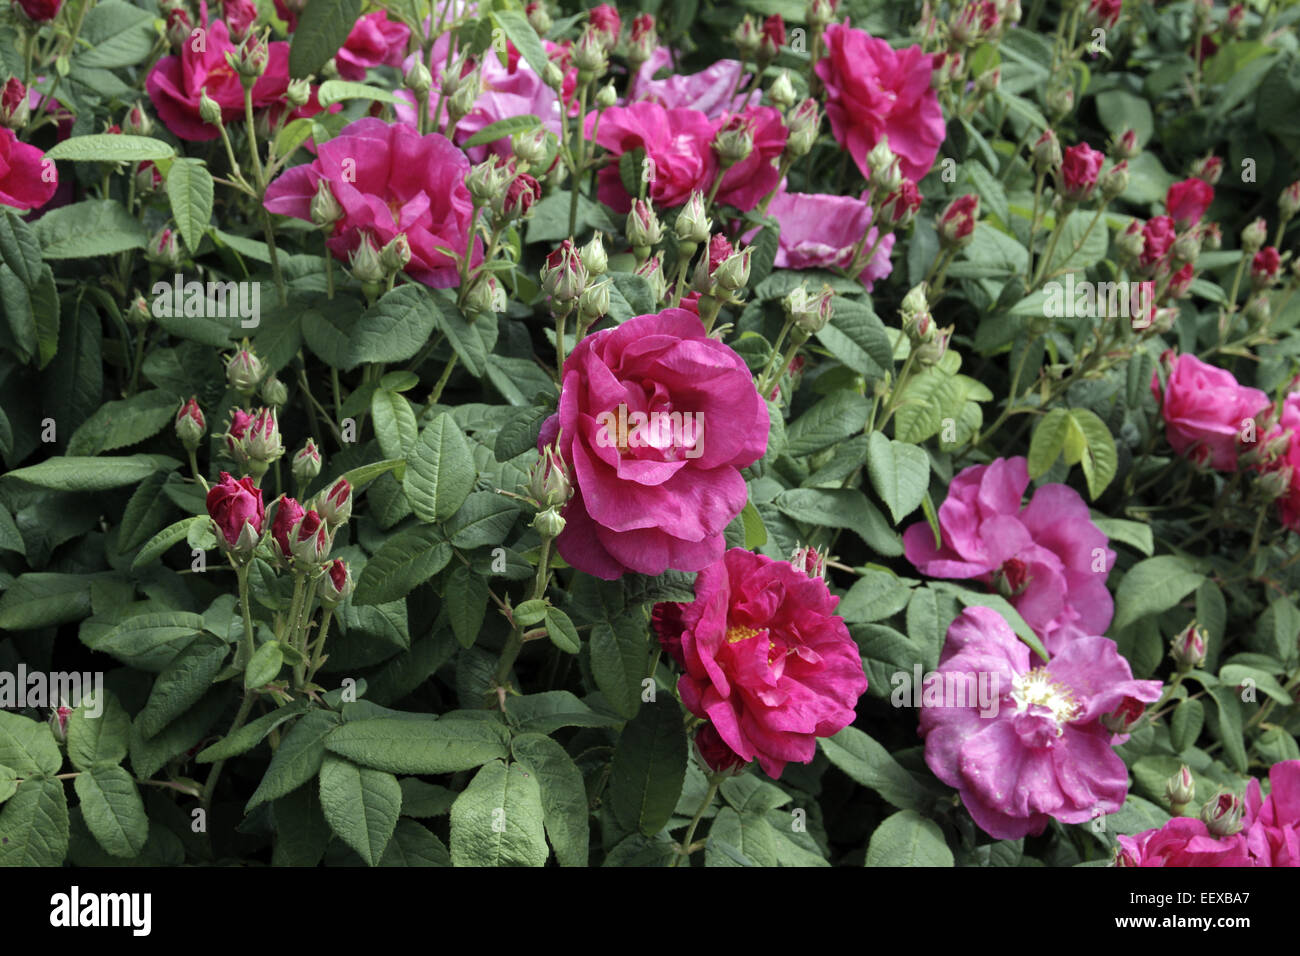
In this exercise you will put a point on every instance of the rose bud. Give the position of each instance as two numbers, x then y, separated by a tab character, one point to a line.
693	226
235	433
262	440
395	255
138	312
1181	282
1208	170
306	463
1222	814
311	539
335	584
364	262
885	179
244	372
1079	169
298	93
733	273
810	312
1104	13
1254	236
1211	236
810	561
1235	20
418	79
1115	180
606	23
148	180
734	141
606	96
1125	717
781	92
564	276
1060	101
164	248
15	109
488	180
652	270
803	122
1264	268
715	754
287	514
522	193
1289	202
931	352
549	523
718	252
1274	484
1046	156
773	39
820	12
336	506
40	11
274	392
190	425
59	722
486	295
237	513
900	206
1187	247
643	229
538	18
957	223
249	60
179	30
325	209
1180	790
531	148
594	257
1258	311
549	483
1131	241
1126	145
590	56
1188	648
593	304
748	38
642	40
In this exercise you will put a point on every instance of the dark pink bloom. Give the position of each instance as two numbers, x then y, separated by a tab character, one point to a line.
1183	841
287	515
1158	235
767	660
872	91
1079	170
1272	828
1264	267
715	753
678	144
27	178
748	181
1048	558
176	82
389	179
1186	201
1205	411
606	21
645	500
1105	13
232	504
374	41
1042	753
1181	281
41	10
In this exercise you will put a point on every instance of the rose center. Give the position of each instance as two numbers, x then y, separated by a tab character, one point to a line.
1036	692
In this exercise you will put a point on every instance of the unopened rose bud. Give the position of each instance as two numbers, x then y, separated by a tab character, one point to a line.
1060	101
139	312
1180	790
1188	648
733	274
1126	145
262	440
900	206
593	304
148	180
1265	268
249	60
549	482
418	79
15	109
1131	241
325	209
818	13
310	539
652	270
1254	236
190	425
335	584
1274	484
1222	814
1125	717
564	276
803	122
594	257
643	228
549	524
1115	180
988	81
180	29
274	392
335	505
957	223
209	109
461	102
164	248
642	41
606	96
692	225
395	255
1258	311
1211	236
1187	247
1289	202
734	141
1235	20
306	463
137	122
489	180
538	17
485	296
590	56
59	722
531	148
298	94
782	92
553	77
887	179
1046	156
364	262
931	352
747	37
811	561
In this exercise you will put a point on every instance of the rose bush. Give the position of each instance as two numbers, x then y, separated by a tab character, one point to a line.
674	435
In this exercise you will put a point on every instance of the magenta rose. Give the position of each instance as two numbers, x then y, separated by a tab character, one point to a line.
873	90
1186	202
656	420
746	183
678	142
176	82
41	10
767	660
27	178
1206	411
513	89
287	514
1158	235
1272	823
1037	750
1183	841
1080	168
820	232
388	179
374	41
1048	558
233	504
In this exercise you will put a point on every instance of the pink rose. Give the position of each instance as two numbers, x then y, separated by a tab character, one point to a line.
708	91
678	142
27	178
239	16
1048	559
1079	170
820	232
176	82
654	489
1186	202
389	180
507	92
746	183
1183	841
1272	827
606	21
374	41
1042	752
234	504
41	10
873	90
287	515
767	660
1205	410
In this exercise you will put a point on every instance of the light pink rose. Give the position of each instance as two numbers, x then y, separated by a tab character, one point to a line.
1205	410
820	231
708	91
